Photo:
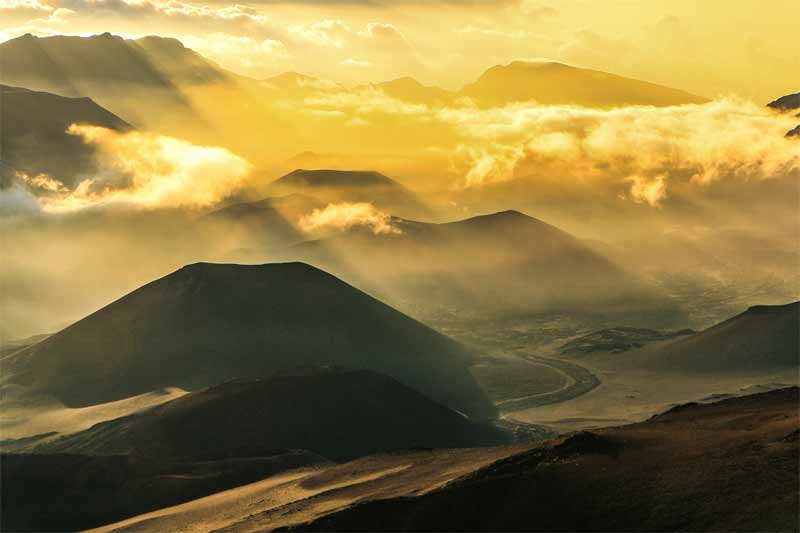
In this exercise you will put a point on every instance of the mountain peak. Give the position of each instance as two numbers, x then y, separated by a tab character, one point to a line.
330	177
553	83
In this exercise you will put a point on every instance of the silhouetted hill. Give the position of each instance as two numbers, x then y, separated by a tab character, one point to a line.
556	83
762	339
69	492
787	104
503	263
332	186
728	466
34	133
207	323
338	414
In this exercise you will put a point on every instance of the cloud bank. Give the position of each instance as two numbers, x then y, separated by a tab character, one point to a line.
145	170
647	147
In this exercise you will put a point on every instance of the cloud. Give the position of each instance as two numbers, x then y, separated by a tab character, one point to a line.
344	216
146	170
17	200
329	32
365	101
648	190
645	147
359	63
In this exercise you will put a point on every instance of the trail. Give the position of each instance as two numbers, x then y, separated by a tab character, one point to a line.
579	380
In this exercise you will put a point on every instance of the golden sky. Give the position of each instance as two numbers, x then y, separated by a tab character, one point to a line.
709	47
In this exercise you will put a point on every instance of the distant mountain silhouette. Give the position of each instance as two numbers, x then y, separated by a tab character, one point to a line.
338	414
787	104
763	339
132	78
556	83
34	133
503	263
332	186
207	323
410	90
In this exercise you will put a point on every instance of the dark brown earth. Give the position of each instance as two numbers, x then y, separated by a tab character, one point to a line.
338	414
68	492
728	466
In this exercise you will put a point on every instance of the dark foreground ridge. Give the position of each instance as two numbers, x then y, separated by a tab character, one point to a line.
728	466
73	492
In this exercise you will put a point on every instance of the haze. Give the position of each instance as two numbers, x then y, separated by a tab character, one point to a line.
364	265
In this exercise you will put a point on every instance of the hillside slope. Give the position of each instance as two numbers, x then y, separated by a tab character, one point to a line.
207	323
133	78
35	138
729	466
335	413
503	263
763	339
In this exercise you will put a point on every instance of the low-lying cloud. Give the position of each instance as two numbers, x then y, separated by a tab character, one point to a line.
145	170
344	216
645	147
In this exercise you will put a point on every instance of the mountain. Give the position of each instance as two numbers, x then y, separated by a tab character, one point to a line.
619	339
410	90
335	413
333	186
503	263
69	492
763	339
556	83
35	138
787	104
208	323
728	466
135	79
790	102
264	223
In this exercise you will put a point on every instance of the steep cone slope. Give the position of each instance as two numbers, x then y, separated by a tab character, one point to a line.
207	323
338	414
35	133
556	83
762	339
506	262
